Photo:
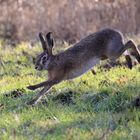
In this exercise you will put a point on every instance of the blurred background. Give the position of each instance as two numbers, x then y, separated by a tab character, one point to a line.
21	20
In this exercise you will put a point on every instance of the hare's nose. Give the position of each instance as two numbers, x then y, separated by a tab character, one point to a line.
36	67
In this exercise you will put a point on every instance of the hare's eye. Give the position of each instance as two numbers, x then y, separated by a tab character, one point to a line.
44	59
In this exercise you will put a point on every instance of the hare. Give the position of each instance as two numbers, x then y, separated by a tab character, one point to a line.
78	59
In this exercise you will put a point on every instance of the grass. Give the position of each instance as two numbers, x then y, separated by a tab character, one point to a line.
87	108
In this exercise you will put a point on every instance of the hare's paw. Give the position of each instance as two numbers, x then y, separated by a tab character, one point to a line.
31	87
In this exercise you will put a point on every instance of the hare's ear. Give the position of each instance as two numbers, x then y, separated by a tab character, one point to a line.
50	42
43	42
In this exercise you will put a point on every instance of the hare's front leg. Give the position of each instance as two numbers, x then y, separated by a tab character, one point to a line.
39	96
47	85
33	87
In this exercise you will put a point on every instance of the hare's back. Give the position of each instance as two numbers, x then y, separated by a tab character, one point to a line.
95	44
101	38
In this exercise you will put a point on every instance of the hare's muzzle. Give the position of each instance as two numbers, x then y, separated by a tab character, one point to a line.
38	68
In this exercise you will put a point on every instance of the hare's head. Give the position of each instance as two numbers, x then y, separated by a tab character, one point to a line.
43	60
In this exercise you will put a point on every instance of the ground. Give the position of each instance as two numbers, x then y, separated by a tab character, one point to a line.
90	107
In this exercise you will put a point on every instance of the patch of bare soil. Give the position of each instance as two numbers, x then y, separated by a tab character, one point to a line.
17	93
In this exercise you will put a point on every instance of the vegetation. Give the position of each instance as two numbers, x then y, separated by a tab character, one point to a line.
90	107
68	19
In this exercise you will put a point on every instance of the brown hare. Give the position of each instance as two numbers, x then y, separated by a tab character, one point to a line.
75	61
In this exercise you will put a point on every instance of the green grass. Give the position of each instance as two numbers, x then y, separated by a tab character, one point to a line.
87	108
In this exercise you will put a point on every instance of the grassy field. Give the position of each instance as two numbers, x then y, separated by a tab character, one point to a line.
91	107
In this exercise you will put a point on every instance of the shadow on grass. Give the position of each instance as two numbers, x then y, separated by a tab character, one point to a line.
31	129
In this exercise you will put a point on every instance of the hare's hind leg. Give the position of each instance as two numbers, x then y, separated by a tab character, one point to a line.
122	49
129	61
130	44
136	51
